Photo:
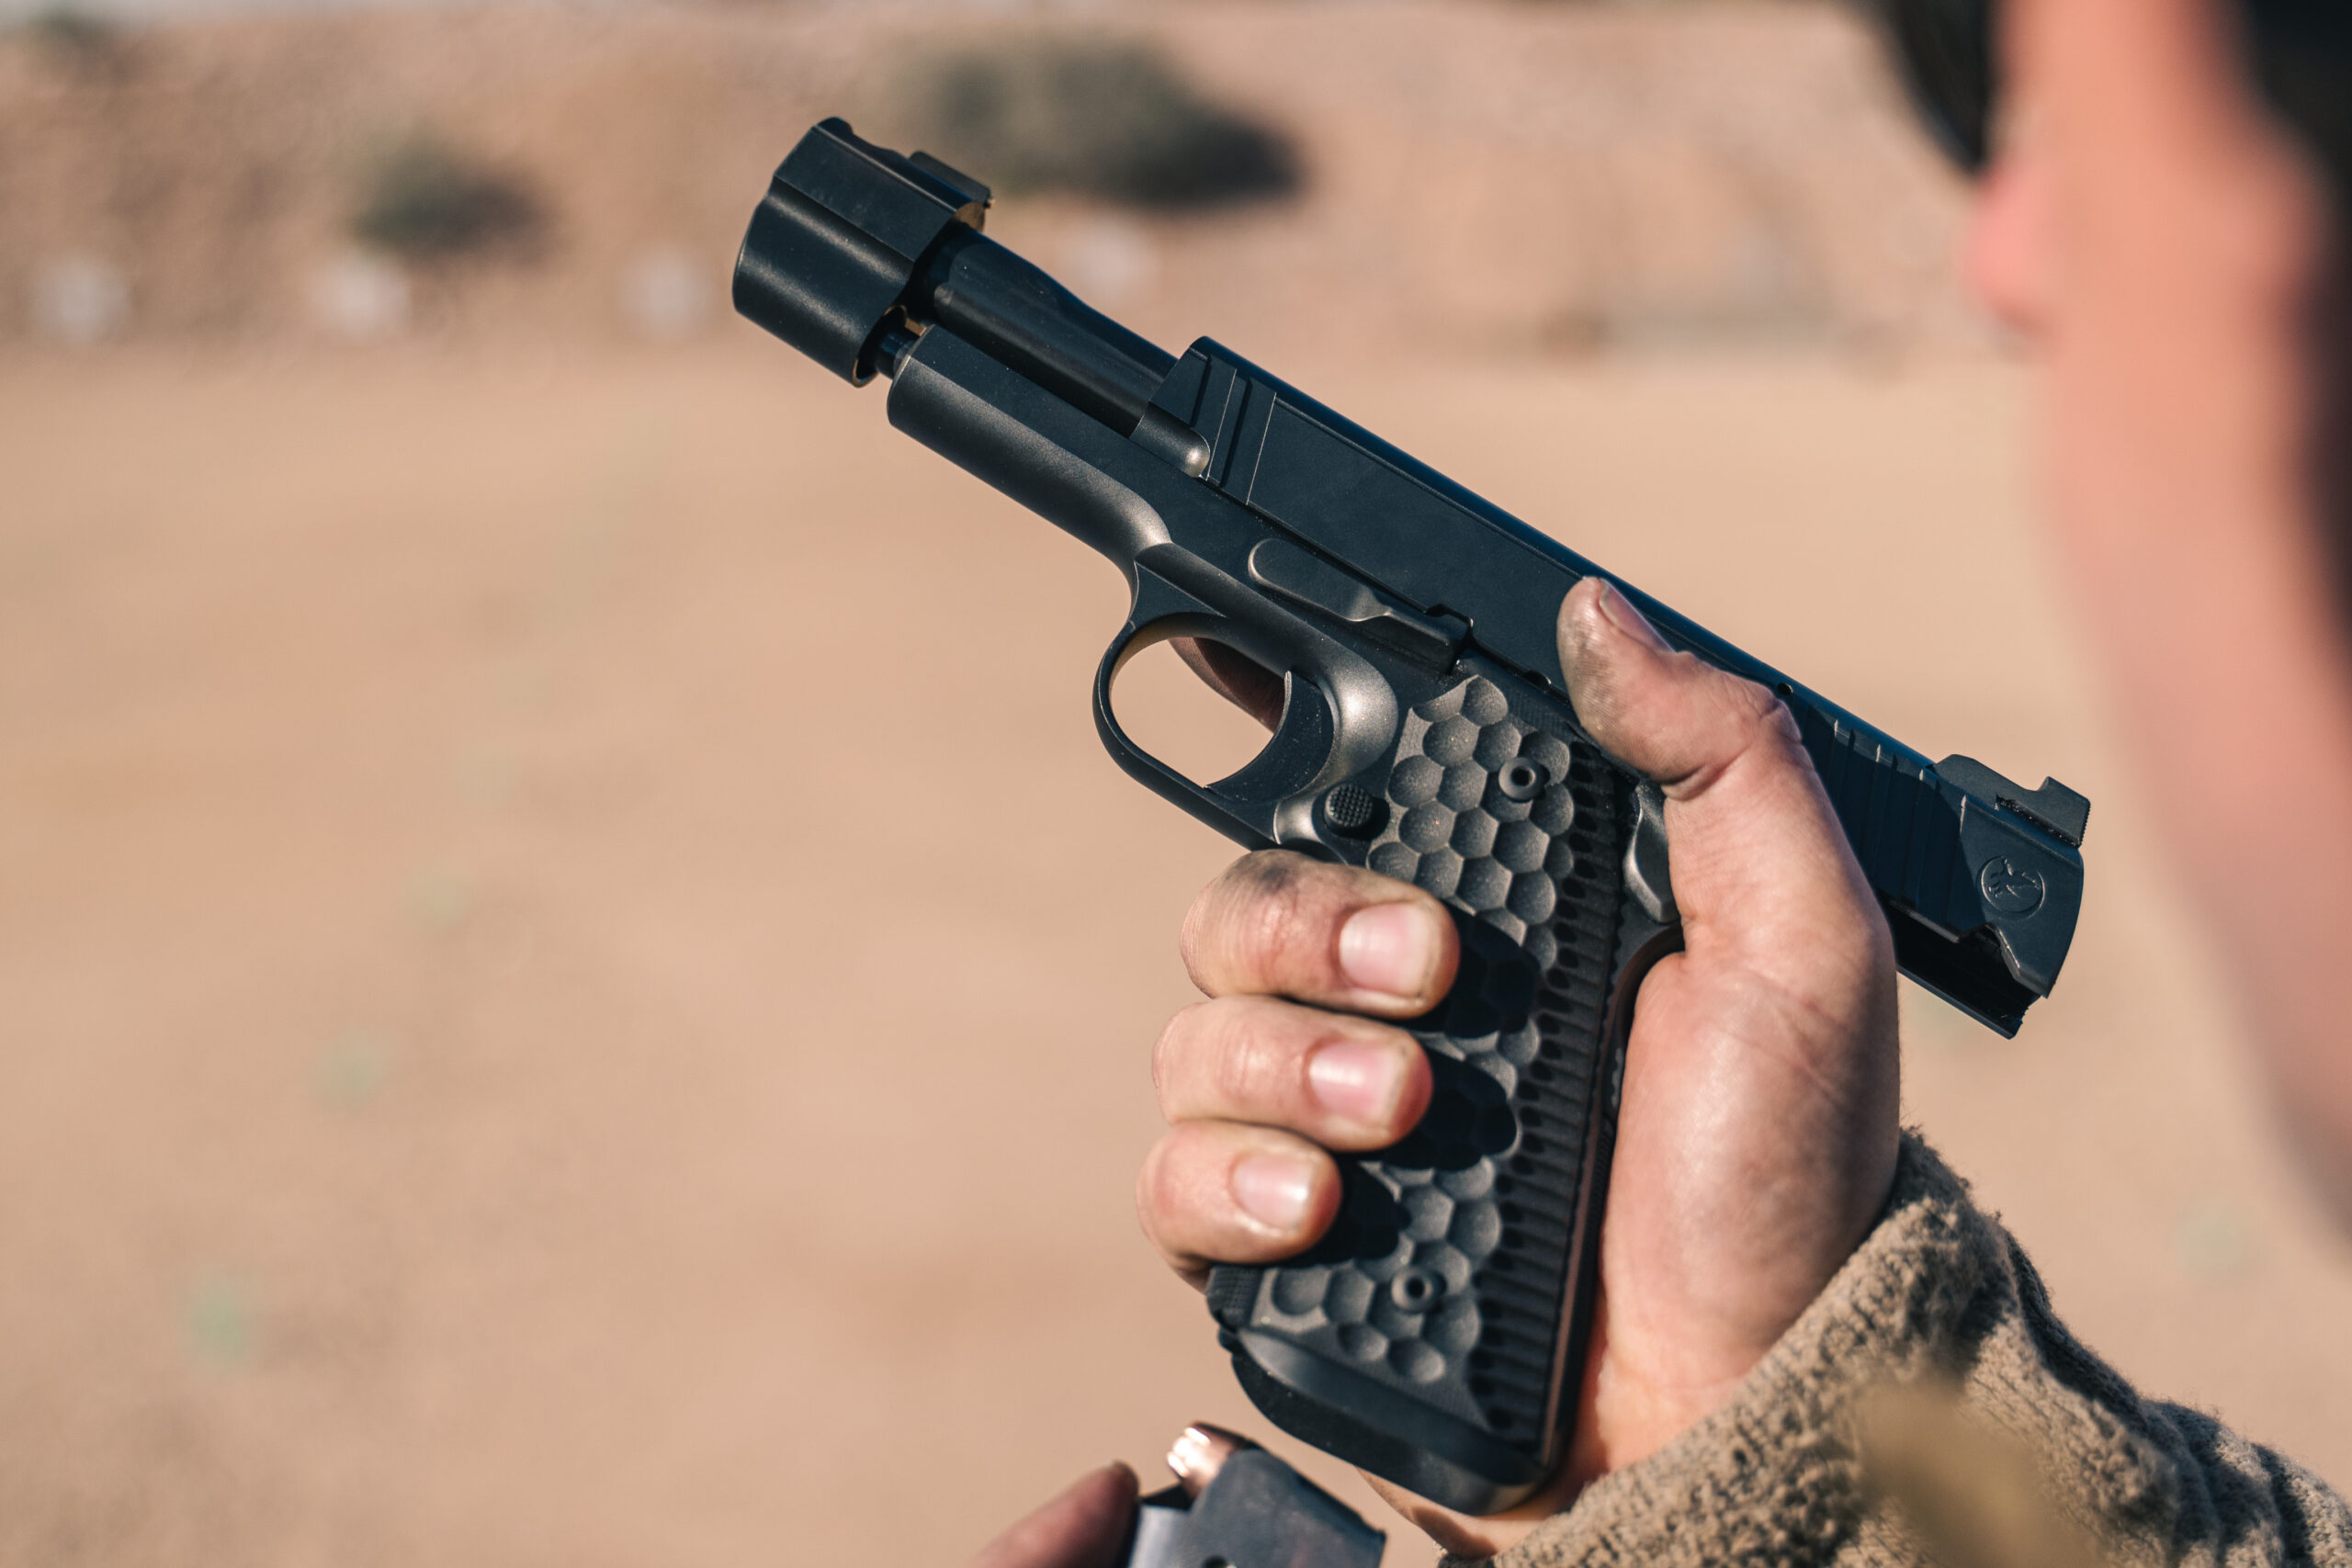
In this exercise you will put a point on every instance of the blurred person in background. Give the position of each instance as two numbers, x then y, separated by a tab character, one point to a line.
1777	1254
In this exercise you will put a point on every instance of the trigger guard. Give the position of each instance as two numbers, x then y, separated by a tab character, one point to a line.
1263	795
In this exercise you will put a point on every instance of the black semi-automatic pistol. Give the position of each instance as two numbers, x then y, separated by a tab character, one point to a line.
1436	1335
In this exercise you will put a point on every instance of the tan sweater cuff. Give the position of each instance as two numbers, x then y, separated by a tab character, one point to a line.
1939	1297
1771	1476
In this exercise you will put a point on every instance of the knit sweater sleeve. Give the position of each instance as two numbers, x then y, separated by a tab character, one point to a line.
1793	1471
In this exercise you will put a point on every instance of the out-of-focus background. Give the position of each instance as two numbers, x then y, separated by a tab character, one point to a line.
574	985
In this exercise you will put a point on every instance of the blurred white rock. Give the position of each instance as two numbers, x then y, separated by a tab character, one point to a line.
666	293
80	300
1107	261
360	297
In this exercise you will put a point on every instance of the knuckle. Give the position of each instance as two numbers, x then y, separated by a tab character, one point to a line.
1145	1188
1192	938
1734	718
1241	925
1761	721
1165	1050
1250	1071
1272	919
1157	1190
1778	724
1754	706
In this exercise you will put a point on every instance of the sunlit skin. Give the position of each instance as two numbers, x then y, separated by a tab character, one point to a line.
2168	258
2176	266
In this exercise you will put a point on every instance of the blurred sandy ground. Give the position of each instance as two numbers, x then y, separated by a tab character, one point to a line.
575	987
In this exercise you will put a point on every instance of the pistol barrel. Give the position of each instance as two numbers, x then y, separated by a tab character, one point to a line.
994	301
855	249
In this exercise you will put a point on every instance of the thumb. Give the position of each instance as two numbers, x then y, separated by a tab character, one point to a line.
1762	872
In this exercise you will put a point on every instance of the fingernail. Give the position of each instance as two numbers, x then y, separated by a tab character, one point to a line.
1632	622
1273	1189
1354	1078
1389	948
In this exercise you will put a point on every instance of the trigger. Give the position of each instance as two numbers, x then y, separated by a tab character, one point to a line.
1645	868
1301	743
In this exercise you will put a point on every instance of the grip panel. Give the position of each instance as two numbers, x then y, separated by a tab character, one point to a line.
1428	1335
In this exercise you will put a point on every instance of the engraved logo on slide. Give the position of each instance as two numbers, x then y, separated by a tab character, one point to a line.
2010	889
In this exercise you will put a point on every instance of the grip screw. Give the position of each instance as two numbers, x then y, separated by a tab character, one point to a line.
1521	779
1415	1289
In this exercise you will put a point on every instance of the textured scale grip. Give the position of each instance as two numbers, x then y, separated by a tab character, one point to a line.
1434	1319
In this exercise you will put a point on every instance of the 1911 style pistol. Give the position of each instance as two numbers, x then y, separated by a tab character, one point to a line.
1435	1336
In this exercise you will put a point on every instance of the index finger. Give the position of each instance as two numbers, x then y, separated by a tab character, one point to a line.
1277	924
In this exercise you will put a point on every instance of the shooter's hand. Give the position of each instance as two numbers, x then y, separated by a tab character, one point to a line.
1083	1527
1757	1136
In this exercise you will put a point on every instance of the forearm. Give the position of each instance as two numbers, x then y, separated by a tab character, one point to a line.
1939	1297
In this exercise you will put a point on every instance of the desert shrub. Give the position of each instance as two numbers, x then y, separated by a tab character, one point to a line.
420	198
76	36
69	28
1098	118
